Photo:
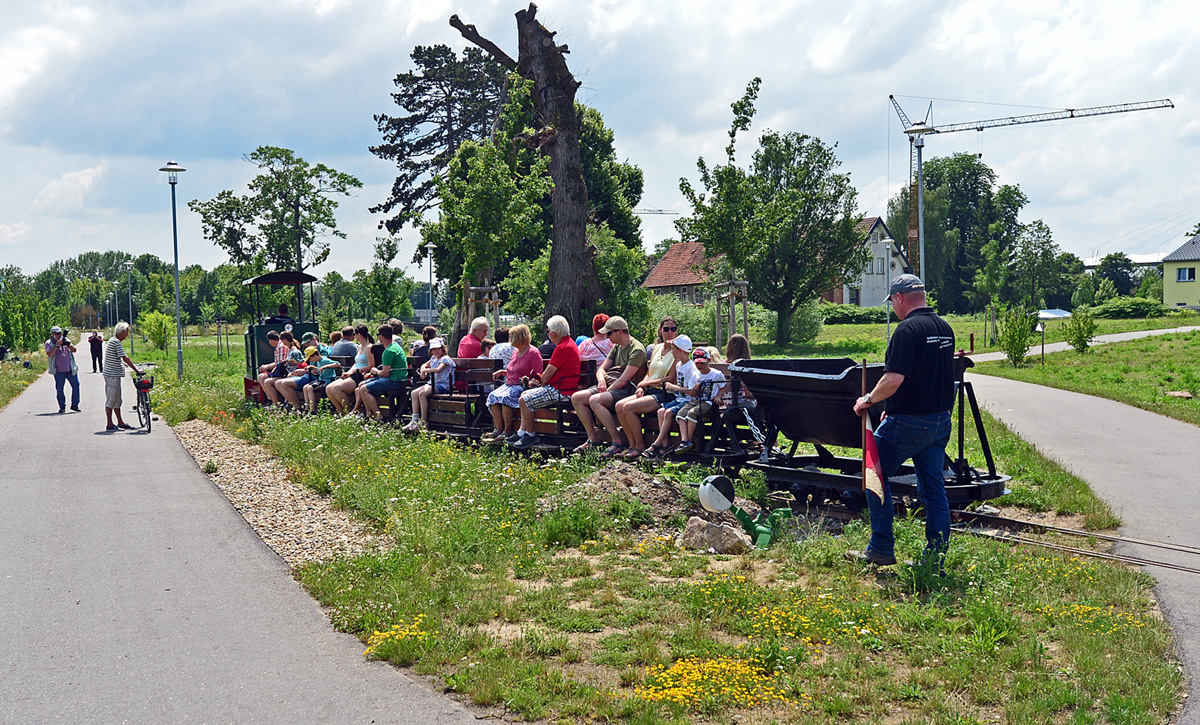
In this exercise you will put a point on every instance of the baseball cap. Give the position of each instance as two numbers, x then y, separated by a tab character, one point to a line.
437	342
310	351
906	283
616	322
308	336
701	354
682	342
55	329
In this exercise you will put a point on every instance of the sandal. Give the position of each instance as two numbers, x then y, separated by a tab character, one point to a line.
654	451
614	450
632	454
585	447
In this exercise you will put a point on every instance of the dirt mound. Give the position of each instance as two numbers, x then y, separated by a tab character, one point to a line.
626	481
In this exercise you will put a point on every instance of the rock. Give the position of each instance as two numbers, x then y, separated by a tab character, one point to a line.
1180	394
720	538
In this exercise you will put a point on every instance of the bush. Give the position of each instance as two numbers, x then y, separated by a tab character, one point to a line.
1121	308
806	322
1016	334
1079	329
835	314
157	327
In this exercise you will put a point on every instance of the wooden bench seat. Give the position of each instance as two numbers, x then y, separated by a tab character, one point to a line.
464	413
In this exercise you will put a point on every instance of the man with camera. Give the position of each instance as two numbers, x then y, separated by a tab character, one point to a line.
62	363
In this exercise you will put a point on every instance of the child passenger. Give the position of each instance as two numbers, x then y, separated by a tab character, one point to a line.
440	371
684	371
694	410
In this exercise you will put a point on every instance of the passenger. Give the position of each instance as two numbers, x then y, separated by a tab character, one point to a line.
388	377
440	371
546	348
344	346
268	373
705	386
597	346
650	393
738	348
397	332
307	340
420	348
326	371
292	387
294	353
485	348
558	381
469	345
526	363
340	390
615	380
376	356
334	338
685	370
503	350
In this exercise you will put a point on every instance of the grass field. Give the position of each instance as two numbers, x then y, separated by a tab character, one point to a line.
870	341
14	377
1138	373
591	613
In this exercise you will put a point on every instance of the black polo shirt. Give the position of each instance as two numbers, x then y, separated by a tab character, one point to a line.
922	350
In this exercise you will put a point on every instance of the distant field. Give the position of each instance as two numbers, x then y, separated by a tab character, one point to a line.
1139	373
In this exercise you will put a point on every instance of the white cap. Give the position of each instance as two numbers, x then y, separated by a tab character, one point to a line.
682	342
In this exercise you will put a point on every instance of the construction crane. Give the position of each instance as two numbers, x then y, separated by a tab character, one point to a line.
917	132
669	212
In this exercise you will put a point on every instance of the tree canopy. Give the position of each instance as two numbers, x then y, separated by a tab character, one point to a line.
787	223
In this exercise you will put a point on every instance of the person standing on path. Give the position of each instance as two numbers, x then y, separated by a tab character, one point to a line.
96	341
62	363
918	385
114	362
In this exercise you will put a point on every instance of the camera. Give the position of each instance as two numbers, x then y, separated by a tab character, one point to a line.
64	340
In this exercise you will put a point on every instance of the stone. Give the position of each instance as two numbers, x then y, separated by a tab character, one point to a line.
1179	394
721	539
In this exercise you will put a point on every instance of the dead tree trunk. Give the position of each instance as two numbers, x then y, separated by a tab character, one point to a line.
573	285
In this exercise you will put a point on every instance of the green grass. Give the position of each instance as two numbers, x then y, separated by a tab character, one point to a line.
14	377
579	615
870	341
1137	373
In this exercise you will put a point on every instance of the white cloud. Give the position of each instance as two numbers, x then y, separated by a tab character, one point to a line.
12	233
65	194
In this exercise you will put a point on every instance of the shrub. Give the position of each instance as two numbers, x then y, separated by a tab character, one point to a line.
806	322
1120	308
1016	334
1080	328
157	327
1105	291
835	314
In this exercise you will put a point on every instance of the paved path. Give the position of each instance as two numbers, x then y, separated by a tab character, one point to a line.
1141	463
131	591
1036	350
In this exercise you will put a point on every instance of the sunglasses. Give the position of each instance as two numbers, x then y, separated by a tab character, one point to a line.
669	329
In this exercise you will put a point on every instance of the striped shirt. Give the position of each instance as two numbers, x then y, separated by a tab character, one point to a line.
282	352
114	364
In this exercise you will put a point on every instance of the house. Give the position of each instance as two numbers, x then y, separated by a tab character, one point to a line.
870	287
678	272
1180	288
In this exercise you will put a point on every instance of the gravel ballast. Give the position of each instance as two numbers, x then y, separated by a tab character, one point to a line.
298	524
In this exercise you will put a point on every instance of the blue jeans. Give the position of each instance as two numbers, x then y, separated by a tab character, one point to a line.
59	380
922	438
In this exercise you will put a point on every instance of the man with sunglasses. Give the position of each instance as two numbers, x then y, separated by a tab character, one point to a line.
918	385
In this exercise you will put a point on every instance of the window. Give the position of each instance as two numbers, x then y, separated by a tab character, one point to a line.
879	266
1185	274
855	297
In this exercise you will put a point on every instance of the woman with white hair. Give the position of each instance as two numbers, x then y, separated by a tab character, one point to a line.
471	345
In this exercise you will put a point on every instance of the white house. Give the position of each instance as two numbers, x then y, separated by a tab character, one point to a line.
870	288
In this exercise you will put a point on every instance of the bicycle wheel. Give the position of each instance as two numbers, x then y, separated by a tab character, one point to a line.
143	410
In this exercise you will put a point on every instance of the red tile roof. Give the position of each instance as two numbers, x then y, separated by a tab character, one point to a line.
675	269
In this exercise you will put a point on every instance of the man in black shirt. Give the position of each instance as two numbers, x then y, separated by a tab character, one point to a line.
918	385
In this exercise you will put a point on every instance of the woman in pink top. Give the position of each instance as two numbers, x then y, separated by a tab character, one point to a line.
597	346
526	362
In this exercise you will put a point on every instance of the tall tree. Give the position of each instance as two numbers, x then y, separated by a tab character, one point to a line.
574	285
387	285
447	100
614	188
788	222
1035	264
1118	268
286	219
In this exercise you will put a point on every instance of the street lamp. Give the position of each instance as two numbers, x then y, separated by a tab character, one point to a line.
116	302
888	245
429	248
129	277
172	169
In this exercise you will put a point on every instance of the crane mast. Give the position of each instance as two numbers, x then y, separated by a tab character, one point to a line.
916	133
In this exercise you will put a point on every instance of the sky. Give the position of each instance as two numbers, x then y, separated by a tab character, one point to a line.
96	96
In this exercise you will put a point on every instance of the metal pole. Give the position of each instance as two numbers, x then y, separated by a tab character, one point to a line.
117	300
920	144
178	329
129	277
430	250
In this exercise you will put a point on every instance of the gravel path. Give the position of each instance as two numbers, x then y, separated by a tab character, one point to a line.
298	524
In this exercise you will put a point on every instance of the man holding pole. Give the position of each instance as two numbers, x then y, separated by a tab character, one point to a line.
918	385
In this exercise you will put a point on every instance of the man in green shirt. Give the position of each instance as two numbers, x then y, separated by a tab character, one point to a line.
616	379
391	375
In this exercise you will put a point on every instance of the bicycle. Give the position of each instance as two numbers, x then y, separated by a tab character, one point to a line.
144	385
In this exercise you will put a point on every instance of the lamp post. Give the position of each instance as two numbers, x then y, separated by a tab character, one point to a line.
888	245
129	277
116	301
172	169
429	248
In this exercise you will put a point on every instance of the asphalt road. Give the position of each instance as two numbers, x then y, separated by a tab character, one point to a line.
1141	463
131	591
1036	350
